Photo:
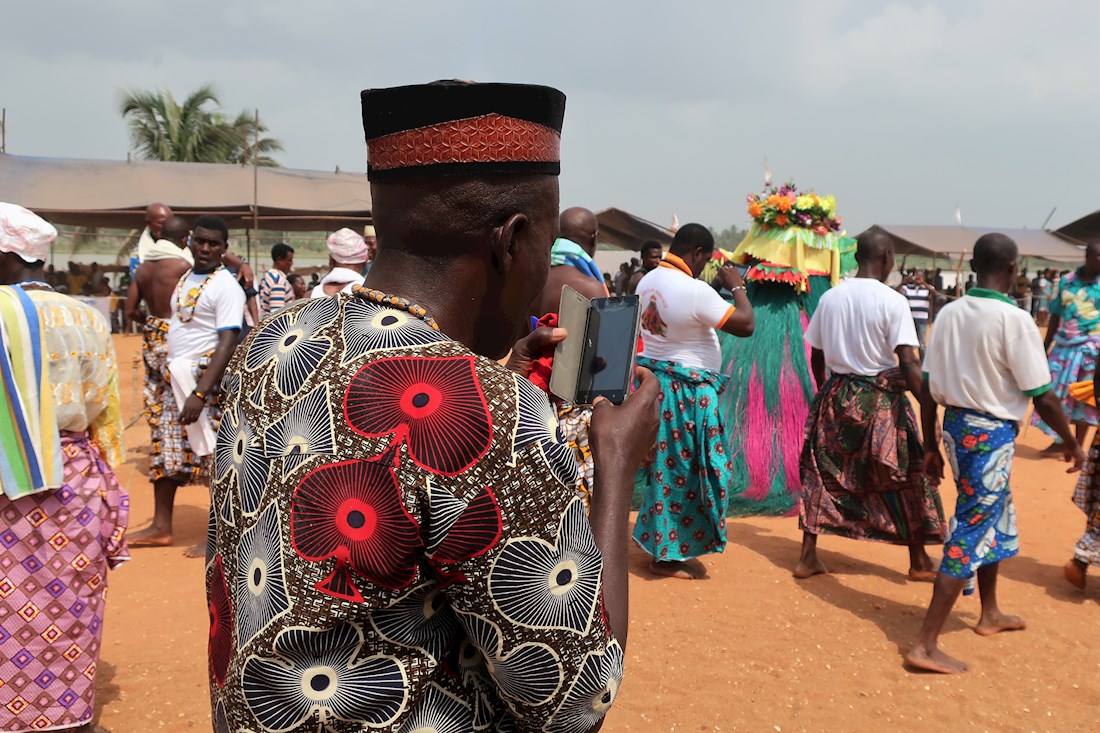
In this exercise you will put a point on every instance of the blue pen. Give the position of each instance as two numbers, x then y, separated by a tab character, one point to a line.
534	323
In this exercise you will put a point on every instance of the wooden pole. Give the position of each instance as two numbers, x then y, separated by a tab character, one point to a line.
255	181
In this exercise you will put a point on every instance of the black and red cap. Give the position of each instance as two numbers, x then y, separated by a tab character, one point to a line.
462	128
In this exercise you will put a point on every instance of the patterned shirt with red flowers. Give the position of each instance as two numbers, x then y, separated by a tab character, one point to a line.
396	542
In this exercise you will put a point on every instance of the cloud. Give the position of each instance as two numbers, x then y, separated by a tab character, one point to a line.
902	109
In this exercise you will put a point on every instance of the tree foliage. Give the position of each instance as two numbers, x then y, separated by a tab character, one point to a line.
194	130
729	237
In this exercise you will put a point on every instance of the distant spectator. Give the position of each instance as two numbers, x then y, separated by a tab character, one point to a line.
347	255
298	286
275	290
155	216
651	257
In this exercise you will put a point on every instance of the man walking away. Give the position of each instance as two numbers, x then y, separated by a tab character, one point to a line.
862	463
985	361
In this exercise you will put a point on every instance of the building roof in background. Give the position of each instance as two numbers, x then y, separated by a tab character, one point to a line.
114	194
1086	229
951	241
627	231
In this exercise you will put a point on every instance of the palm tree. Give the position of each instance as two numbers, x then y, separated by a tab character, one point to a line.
247	143
193	131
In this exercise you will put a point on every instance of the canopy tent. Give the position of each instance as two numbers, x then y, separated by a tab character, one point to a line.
951	241
627	231
112	194
1086	229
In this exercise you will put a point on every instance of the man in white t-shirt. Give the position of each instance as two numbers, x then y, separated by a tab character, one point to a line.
862	464
685	490
208	309
985	362
347	256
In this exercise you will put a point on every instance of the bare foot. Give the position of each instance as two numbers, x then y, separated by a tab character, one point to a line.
934	661
802	571
149	537
995	624
1074	571
198	550
922	576
682	569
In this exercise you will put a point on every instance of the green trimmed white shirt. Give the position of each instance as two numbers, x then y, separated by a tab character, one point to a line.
986	354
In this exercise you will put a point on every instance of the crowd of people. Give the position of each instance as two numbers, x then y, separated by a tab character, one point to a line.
407	531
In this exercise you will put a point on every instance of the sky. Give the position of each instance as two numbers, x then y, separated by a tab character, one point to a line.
904	110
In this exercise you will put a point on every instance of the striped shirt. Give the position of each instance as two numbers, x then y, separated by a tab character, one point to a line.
920	300
275	292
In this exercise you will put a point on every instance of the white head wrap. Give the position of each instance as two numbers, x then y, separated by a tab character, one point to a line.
346	247
25	233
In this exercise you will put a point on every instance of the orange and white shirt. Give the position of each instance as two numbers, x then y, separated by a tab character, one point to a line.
679	315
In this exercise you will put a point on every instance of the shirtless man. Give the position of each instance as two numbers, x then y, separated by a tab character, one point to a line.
154	284
580	229
571	264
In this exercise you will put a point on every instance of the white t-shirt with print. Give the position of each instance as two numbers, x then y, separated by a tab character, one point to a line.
986	354
858	325
219	307
679	315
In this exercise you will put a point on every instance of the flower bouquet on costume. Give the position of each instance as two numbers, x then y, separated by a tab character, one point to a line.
793	236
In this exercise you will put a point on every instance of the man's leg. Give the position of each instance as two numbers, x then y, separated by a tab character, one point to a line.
159	533
992	620
808	564
199	548
926	653
1081	429
1075	572
921	567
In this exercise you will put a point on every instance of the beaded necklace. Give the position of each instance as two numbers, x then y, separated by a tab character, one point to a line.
395	301
192	299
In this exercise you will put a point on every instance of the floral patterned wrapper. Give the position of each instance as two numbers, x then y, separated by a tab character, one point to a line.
983	531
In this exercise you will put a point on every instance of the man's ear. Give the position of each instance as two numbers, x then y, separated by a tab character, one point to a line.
506	242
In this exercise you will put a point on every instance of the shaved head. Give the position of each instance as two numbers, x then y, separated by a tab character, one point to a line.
580	225
175	229
994	254
872	245
155	216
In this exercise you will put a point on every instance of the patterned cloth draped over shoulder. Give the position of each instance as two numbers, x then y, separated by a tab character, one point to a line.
57	536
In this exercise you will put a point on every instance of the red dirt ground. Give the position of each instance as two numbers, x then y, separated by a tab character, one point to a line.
750	649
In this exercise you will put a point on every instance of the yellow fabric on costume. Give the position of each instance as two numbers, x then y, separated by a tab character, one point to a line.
82	370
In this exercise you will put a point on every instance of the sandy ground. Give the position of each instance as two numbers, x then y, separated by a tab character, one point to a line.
749	649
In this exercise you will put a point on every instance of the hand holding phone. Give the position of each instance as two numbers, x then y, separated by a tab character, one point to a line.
597	359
